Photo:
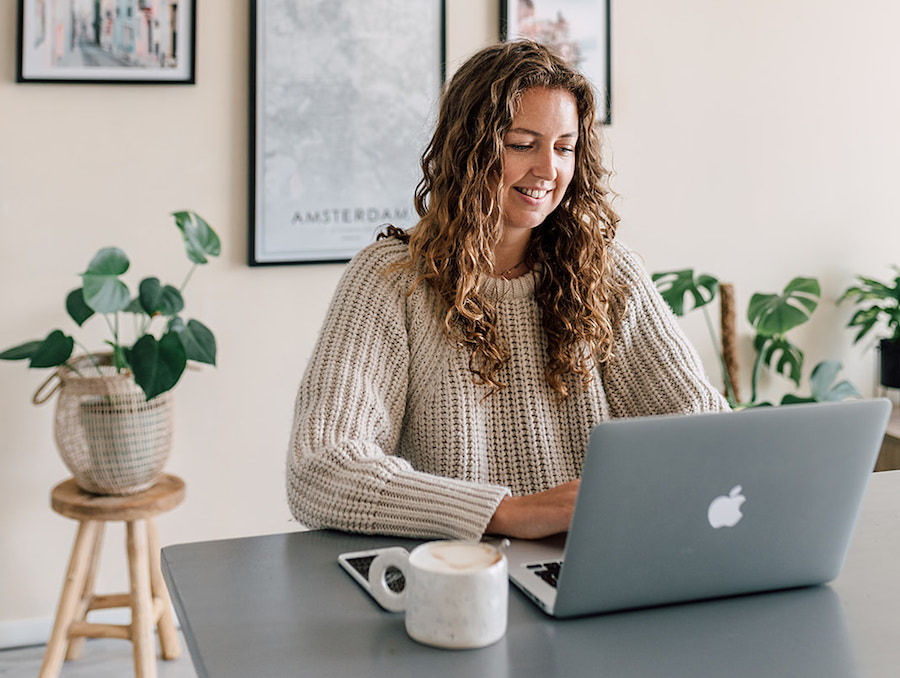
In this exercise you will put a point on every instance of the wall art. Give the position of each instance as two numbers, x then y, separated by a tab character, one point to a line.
106	41
344	95
577	29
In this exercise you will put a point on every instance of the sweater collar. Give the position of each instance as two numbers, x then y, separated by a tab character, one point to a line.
517	288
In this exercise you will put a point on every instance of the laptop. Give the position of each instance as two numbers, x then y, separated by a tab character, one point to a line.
679	508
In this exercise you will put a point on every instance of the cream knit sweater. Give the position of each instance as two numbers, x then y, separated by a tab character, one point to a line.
392	436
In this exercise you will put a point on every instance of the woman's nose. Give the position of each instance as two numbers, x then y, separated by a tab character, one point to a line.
545	165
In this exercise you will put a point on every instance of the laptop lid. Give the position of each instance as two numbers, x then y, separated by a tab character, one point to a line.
676	508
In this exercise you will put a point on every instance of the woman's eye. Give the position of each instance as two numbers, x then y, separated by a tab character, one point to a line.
518	147
565	150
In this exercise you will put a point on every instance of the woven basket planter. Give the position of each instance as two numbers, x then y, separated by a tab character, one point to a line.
112	439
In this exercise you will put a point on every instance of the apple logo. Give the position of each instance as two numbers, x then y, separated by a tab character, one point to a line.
725	511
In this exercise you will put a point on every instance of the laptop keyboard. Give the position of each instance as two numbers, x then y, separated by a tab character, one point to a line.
549	572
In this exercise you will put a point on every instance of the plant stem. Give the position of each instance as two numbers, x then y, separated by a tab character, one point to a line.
114	329
146	319
72	367
729	389
187	278
118	369
757	369
90	356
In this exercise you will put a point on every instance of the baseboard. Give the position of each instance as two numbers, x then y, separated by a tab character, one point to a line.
29	632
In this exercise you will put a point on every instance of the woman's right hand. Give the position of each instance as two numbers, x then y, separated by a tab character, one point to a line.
534	516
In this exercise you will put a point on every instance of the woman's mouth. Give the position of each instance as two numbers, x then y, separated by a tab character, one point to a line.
532	192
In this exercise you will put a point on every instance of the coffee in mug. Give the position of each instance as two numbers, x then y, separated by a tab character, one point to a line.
456	593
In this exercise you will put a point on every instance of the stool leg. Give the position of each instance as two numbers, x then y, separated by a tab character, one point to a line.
141	600
168	636
76	645
68	601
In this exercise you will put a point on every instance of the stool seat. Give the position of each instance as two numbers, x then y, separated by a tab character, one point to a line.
73	502
148	597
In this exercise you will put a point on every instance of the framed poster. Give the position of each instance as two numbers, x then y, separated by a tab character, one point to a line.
344	96
106	41
577	29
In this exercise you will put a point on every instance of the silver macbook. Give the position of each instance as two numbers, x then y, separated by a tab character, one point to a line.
678	508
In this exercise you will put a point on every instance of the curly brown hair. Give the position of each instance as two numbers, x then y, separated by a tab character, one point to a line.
457	199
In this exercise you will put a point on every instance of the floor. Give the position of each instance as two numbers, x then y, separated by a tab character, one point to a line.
102	658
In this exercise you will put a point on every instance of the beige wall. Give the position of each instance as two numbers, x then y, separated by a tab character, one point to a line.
756	141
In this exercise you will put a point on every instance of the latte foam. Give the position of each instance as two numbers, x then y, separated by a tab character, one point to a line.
455	557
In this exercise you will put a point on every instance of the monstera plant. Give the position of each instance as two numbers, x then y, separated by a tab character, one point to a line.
162	342
772	316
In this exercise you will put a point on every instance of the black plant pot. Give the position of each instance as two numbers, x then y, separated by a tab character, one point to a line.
890	364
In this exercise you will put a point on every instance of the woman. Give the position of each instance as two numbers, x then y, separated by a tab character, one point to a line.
462	365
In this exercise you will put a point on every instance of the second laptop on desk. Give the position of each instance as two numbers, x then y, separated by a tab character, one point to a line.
679	508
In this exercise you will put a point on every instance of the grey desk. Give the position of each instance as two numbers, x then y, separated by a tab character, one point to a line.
280	606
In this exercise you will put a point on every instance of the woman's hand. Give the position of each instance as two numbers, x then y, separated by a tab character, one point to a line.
534	516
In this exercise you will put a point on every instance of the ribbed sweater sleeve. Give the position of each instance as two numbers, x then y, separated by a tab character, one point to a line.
341	470
654	369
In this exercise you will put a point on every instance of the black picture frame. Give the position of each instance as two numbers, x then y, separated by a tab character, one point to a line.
579	30
343	95
106	42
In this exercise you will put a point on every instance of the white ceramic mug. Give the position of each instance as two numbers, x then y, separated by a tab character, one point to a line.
456	593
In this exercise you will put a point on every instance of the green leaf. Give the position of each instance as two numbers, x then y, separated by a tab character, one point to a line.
157	365
53	351
842	391
875	298
773	315
676	286
822	383
199	342
76	308
103	291
200	240
823	375
108	261
872	290
791	399
865	319
22	351
790	357
155	298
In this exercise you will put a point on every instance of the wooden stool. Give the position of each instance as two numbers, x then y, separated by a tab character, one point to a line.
148	598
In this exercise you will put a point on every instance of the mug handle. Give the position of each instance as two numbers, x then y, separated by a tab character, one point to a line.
392	557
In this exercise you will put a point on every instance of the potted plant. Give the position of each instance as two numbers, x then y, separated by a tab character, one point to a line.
879	302
113	418
772	316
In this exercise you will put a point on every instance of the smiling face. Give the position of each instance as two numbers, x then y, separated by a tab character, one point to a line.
538	158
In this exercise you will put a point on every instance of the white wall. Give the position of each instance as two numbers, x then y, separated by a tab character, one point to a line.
755	141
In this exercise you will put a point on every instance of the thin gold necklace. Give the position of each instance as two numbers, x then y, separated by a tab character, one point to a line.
511	269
